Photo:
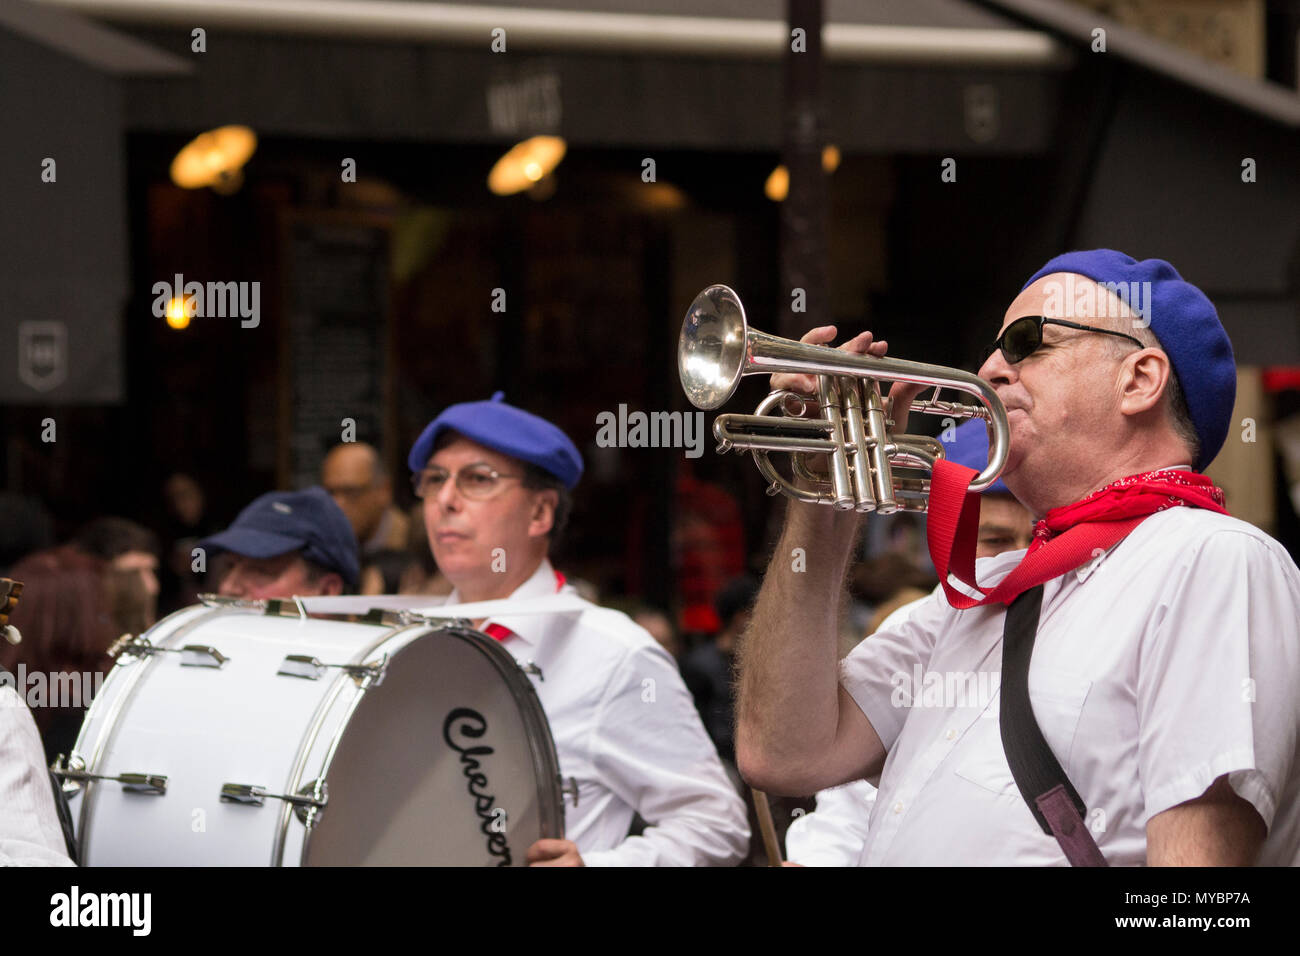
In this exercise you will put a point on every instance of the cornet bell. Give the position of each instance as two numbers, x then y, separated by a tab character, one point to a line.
711	349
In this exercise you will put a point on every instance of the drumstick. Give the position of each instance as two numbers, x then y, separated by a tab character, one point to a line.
766	827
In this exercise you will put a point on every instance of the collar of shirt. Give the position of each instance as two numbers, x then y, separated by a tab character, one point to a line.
528	628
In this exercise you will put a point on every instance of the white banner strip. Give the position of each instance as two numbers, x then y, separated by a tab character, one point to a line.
541	28
419	604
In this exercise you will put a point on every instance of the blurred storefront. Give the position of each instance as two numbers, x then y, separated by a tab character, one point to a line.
390	294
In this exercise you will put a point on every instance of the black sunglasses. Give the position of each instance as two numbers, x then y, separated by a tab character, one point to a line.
1022	337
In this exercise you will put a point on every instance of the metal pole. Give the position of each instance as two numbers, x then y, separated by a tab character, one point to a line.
803	214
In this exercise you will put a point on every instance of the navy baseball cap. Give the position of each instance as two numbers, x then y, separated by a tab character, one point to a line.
970	447
282	521
504	428
1186	325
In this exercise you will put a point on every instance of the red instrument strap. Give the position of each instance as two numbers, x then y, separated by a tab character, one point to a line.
500	632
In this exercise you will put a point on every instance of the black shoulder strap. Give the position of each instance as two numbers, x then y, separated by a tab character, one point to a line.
1052	799
65	818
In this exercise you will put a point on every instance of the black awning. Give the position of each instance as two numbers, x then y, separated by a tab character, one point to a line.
331	88
1261	97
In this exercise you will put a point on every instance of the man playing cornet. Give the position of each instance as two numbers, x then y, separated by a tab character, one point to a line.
1167	649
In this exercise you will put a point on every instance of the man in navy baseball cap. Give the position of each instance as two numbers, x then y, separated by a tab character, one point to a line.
288	543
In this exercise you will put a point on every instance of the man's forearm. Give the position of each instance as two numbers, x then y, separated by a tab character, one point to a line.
1218	828
788	702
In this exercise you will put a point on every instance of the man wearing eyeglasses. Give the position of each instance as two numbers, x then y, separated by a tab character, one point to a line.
497	483
1165	634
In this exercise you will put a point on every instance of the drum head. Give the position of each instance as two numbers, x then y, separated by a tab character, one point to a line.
448	762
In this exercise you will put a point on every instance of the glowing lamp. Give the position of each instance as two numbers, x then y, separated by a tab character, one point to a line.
215	158
526	164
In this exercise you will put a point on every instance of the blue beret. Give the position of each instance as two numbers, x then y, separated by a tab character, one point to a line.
970	447
509	430
282	521
1185	323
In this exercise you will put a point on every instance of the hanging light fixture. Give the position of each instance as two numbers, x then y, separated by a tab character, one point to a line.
215	158
526	164
778	182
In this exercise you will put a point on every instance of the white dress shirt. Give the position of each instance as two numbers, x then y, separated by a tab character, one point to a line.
626	730
1167	662
30	834
835	832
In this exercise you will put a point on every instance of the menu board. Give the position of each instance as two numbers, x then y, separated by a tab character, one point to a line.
335	354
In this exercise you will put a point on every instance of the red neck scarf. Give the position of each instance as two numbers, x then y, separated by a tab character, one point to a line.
1064	539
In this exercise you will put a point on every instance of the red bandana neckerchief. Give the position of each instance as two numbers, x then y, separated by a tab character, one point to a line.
501	632
1064	539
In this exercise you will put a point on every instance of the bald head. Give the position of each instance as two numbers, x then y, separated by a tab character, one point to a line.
354	457
353	474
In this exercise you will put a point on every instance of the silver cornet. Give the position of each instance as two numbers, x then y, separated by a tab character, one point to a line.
717	347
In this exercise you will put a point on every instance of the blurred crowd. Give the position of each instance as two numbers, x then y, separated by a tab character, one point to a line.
118	576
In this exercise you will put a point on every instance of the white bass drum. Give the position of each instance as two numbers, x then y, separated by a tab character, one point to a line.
246	734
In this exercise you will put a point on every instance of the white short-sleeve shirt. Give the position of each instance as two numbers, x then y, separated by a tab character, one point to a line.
834	833
1167	662
627	732
30	834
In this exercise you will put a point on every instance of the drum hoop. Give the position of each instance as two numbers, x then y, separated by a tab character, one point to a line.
114	714
541	742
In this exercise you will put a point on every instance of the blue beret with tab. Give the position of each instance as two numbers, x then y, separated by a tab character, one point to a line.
504	428
1184	322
